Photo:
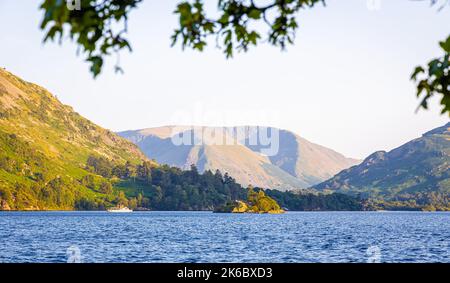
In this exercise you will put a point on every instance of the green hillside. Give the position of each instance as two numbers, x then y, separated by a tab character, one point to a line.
44	147
416	174
52	158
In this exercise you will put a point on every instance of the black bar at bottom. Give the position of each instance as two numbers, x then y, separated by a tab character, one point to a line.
226	272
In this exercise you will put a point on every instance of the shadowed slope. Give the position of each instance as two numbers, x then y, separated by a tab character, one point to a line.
297	163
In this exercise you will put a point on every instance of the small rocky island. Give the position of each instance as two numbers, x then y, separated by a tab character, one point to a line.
257	202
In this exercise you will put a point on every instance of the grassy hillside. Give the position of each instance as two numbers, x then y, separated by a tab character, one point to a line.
416	174
52	158
44	148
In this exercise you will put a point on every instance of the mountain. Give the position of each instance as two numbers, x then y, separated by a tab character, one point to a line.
262	156
53	158
419	167
44	147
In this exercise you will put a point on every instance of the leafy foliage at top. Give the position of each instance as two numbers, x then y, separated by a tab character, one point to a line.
435	79
232	26
93	25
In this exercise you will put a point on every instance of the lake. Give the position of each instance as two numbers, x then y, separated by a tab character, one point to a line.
209	237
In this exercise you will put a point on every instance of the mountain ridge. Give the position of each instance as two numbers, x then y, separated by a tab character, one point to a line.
52	158
418	166
45	144
298	163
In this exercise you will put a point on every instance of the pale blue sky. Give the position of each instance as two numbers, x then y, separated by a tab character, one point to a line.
344	84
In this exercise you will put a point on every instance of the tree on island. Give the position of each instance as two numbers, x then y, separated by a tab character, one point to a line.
257	202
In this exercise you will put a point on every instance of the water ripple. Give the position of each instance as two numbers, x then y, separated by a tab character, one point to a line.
208	237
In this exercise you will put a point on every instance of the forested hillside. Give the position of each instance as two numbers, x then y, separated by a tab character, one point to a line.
44	147
53	158
415	175
169	188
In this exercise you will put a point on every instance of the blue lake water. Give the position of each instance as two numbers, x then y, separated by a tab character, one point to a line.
208	237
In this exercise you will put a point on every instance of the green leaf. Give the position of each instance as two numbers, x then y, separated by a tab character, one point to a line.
96	65
255	14
416	72
445	45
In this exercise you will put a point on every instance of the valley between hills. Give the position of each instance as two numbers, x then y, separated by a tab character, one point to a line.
52	158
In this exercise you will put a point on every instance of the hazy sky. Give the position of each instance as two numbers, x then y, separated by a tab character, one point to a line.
344	84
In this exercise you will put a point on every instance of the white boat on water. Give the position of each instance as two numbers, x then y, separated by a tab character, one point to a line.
120	209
